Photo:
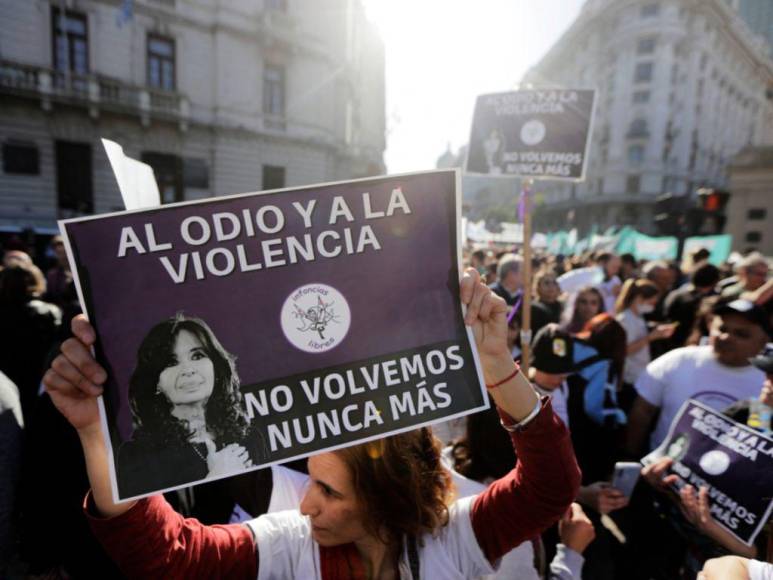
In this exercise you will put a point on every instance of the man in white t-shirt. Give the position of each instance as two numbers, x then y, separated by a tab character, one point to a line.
716	375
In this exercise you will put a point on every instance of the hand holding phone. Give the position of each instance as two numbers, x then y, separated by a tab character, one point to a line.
625	476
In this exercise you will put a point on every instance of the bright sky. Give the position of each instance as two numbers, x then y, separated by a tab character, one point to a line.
441	54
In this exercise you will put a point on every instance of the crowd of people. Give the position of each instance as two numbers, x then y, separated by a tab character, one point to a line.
524	490
620	345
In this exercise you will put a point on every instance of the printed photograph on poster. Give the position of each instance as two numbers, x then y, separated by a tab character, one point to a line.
532	133
734	461
249	330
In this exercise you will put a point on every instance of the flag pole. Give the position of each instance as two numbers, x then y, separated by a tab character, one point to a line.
525	210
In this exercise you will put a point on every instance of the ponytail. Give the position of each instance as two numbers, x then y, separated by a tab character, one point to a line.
631	290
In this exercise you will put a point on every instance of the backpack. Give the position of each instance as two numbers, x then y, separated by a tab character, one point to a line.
599	394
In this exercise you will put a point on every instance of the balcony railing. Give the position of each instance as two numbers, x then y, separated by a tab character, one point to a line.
18	76
96	92
118	93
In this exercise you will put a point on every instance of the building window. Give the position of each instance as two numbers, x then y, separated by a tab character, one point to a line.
71	41
635	154
169	175
638	129
641	97
273	177
195	173
161	62
757	213
643	72
650	10
20	158
274	96
645	46
753	237
73	178
632	184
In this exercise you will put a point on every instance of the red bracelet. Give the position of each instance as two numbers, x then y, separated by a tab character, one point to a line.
507	378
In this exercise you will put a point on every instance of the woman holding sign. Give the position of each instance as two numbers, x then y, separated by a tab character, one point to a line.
188	413
377	510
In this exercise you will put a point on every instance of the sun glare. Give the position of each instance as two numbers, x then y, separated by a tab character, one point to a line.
441	54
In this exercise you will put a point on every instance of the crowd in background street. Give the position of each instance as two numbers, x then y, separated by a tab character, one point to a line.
618	345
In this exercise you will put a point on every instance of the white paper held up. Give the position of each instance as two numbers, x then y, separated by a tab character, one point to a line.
135	179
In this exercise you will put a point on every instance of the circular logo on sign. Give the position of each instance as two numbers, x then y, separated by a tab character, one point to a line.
532	132
715	462
315	318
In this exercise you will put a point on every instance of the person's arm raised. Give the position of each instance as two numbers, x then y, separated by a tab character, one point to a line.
542	486
74	382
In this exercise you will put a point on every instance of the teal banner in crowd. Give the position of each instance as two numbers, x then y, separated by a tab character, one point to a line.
626	239
643	247
556	242
650	248
718	246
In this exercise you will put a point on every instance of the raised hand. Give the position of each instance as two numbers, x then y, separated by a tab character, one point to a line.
75	379
486	315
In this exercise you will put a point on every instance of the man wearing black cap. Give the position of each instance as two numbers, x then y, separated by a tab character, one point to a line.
717	375
552	362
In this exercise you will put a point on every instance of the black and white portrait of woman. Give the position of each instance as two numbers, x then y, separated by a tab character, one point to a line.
188	412
677	449
493	149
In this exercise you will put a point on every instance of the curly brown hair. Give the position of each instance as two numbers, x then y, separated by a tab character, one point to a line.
401	484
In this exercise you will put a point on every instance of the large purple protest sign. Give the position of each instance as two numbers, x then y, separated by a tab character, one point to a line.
733	461
540	133
248	330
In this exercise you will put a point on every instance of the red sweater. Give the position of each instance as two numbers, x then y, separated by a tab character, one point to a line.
151	540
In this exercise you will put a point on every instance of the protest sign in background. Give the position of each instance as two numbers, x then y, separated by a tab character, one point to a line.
532	133
718	247
734	461
655	248
375	260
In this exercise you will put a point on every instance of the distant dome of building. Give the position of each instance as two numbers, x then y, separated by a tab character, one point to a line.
448	159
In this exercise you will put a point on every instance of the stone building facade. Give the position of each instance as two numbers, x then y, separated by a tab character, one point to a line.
750	207
218	97
683	86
